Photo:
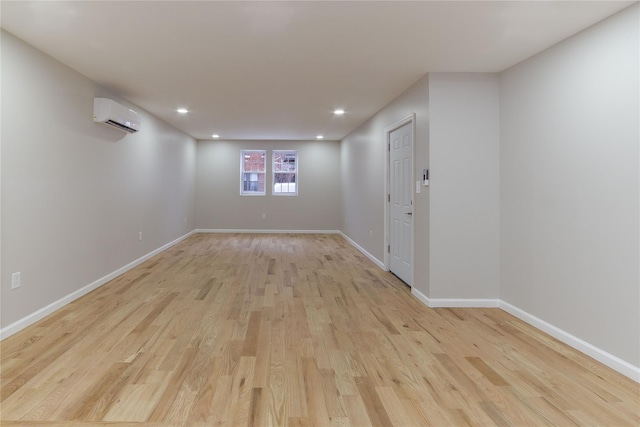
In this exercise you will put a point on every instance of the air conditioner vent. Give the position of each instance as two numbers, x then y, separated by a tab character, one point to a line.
119	126
111	113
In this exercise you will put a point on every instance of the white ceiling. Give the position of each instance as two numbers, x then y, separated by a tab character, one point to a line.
276	70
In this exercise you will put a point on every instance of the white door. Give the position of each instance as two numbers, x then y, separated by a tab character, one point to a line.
401	206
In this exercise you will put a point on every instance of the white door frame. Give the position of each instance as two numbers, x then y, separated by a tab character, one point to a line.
411	118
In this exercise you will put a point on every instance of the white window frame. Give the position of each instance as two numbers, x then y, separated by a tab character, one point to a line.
273	173
244	192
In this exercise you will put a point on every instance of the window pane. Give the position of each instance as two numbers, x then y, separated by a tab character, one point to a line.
277	161
253	182
285	171
253	166
254	161
285	177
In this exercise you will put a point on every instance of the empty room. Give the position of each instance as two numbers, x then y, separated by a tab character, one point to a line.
320	213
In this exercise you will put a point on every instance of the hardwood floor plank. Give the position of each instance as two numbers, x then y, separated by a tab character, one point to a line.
135	403
357	411
206	388
221	404
494	413
292	330
344	375
253	332
372	403
95	404
316	404
162	305
263	355
398	414
173	384
242	392
333	400
486	370
258	409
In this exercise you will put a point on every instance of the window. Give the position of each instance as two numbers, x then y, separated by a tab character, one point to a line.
285	173
252	172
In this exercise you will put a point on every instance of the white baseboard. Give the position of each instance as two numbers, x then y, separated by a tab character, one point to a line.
375	260
615	363
598	354
422	297
263	231
45	311
455	302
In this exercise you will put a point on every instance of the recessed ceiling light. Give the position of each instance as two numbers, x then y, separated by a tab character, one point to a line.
215	135
339	112
182	110
319	137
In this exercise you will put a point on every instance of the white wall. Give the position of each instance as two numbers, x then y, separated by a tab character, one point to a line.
456	218
464	144
363	157
220	205
75	193
569	186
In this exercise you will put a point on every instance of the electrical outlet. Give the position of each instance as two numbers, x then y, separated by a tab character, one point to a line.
140	236
15	280
185	219
264	216
370	233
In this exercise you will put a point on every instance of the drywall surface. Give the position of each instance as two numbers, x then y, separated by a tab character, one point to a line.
464	145
221	207
363	162
76	194
569	186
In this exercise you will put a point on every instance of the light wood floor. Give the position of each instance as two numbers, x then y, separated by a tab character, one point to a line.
297	330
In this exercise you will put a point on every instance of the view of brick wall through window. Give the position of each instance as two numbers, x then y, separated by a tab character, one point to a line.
253	172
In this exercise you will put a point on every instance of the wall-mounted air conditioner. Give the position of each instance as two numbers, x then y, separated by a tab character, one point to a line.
110	112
